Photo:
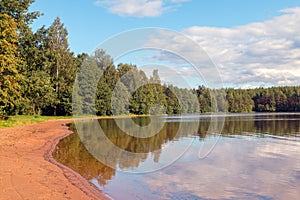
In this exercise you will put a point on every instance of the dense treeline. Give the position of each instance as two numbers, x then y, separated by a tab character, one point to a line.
274	99
38	76
37	70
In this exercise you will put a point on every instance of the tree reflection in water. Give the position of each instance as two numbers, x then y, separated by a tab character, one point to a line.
72	153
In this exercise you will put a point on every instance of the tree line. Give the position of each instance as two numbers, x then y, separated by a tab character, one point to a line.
38	76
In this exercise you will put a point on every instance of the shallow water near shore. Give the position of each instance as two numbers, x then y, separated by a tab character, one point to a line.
255	157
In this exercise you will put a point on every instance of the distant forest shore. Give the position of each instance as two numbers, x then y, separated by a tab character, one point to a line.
38	76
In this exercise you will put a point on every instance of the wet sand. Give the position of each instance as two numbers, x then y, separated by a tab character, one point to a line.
28	171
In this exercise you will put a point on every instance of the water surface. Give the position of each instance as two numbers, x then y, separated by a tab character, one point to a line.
256	157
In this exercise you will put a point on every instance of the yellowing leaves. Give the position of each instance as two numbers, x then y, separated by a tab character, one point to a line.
9	76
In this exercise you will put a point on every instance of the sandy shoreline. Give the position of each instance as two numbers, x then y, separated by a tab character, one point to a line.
28	170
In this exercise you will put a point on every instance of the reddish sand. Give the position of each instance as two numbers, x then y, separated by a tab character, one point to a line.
28	171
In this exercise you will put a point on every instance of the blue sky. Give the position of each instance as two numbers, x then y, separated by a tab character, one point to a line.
93	24
220	27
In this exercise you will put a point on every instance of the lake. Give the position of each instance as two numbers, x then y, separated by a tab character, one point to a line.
256	156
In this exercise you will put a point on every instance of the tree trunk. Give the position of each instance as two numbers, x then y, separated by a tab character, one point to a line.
57	74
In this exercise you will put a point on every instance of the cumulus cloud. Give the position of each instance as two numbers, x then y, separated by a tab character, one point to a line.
184	56
266	52
230	172
256	54
139	8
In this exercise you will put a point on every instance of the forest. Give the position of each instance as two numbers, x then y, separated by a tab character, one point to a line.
38	76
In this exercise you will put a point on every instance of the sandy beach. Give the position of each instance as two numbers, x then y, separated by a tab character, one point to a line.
28	170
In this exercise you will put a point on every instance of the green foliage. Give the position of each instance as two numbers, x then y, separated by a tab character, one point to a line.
141	101
40	92
239	101
62	68
10	78
149	96
119	100
103	98
277	99
84	88
18	9
38	76
20	120
107	80
204	98
172	105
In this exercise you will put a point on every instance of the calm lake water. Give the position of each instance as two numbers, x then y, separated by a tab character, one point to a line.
257	156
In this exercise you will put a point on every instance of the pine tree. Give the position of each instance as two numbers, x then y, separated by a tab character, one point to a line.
63	66
85	87
18	9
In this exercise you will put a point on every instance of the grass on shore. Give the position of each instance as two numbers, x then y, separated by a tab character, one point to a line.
20	120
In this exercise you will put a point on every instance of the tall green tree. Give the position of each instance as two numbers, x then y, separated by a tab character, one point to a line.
120	100
37	87
10	78
204	98
107	81
40	92
103	98
87	81
172	101
63	66
18	9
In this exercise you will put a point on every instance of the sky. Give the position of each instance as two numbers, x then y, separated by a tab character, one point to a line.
250	43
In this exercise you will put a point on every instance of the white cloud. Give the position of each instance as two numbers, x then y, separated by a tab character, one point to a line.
262	53
231	172
267	52
182	54
139	8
